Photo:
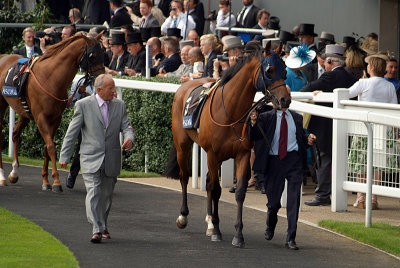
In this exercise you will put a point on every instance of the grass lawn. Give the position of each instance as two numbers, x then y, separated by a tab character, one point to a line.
25	244
380	235
39	163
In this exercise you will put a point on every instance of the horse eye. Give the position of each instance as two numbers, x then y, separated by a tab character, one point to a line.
91	55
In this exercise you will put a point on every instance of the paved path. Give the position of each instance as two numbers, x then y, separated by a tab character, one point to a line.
144	233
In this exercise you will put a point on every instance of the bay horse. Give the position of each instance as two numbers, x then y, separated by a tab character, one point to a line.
222	132
46	96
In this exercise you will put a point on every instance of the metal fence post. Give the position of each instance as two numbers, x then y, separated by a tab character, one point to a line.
227	173
203	170
10	131
195	166
370	158
339	153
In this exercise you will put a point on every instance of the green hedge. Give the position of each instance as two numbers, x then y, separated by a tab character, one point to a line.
150	116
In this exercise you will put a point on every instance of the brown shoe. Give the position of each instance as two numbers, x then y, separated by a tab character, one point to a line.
96	238
105	235
375	205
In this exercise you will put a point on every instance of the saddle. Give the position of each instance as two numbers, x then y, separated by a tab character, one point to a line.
194	105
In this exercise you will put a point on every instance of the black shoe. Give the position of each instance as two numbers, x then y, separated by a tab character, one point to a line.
263	190
232	189
291	245
269	233
70	181
318	202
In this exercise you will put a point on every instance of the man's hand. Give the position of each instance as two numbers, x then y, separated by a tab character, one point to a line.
63	165
197	74
112	72
311	139
127	145
253	117
130	72
82	89
316	92
184	78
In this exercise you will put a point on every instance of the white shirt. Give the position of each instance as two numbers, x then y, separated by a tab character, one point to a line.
180	23
374	89
246	11
321	70
29	51
292	142
222	21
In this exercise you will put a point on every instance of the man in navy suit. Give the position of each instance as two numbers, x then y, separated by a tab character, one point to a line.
208	44
247	17
284	158
121	16
172	59
29	49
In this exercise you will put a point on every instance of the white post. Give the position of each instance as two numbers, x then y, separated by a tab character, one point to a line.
195	166
203	169
370	172
227	173
339	154
10	132
146	160
148	60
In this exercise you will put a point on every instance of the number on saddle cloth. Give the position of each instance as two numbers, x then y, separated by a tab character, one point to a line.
15	79
194	106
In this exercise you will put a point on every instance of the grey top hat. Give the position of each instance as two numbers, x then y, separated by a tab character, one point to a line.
184	43
233	42
334	51
327	37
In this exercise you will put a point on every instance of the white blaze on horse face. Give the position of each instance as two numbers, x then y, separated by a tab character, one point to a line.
14	172
3	181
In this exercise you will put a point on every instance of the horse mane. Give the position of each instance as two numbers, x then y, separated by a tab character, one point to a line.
231	71
57	48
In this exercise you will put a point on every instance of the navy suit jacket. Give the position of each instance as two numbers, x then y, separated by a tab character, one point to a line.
171	63
120	18
122	62
137	62
209	68
267	122
22	51
251	19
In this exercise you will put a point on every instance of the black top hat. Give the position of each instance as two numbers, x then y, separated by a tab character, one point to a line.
285	36
290	45
349	40
155	31
273	23
145	33
134	37
117	2
174	32
118	39
307	29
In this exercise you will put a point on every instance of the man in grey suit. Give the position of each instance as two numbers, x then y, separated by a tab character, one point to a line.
148	20
100	118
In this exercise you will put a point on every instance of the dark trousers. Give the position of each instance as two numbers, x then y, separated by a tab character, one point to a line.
324	177
76	165
290	168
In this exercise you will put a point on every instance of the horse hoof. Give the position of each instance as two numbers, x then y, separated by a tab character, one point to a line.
46	187
12	180
238	242
181	222
209	232
216	238
3	183
57	188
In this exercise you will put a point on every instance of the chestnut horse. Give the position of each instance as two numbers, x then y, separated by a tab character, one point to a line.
46	96
222	132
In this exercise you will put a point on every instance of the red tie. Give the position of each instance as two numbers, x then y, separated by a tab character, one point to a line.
282	151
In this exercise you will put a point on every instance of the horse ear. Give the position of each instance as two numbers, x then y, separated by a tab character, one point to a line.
99	36
267	50
278	50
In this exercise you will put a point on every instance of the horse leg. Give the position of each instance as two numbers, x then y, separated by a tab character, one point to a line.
21	124
45	170
242	168
213	194
182	154
3	107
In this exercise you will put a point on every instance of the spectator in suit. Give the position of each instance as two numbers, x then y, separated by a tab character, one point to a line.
193	35
334	77
262	18
224	16
233	47
172	59
196	11
195	55
208	45
101	118
178	19
314	70
96	11
120	55
67	32
121	16
184	69
164	6
29	49
74	16
307	35
155	12
137	60
247	17
148	20
284	159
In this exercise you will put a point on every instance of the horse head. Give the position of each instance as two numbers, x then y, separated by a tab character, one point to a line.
271	80
92	61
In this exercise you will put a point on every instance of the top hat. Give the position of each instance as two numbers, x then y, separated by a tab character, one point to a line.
118	38
174	32
134	37
290	45
155	31
334	51
184	43
349	40
269	33
307	29
285	36
299	56
145	33
233	42
325	36
273	23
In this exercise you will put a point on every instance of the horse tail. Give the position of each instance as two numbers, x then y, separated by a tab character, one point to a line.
172	169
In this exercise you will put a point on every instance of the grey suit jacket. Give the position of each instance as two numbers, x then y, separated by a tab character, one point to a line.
98	141
151	22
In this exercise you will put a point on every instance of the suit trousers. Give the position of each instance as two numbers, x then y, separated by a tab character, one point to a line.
76	165
99	188
289	168
324	177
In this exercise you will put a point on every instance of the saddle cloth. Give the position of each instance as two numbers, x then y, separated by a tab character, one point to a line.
194	105
15	79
